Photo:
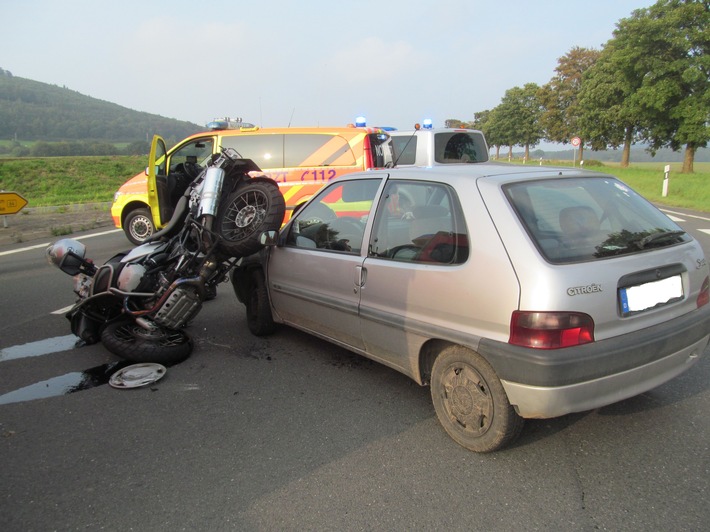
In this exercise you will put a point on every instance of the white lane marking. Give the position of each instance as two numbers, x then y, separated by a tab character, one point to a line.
38	348
671	213
44	245
63	310
687	215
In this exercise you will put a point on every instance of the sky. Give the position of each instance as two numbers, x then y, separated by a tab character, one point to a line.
308	63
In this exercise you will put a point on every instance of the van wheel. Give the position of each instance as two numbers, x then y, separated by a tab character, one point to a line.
259	318
138	225
246	213
470	401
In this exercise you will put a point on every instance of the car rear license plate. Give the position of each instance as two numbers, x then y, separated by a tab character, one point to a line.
650	295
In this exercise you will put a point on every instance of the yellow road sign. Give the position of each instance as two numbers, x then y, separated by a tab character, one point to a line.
11	203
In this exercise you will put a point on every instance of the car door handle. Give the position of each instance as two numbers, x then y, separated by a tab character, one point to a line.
360	277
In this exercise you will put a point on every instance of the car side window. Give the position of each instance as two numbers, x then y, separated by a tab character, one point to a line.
267	151
317	150
420	222
335	220
195	152
404	149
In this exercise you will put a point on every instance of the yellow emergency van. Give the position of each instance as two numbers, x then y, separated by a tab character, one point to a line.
301	160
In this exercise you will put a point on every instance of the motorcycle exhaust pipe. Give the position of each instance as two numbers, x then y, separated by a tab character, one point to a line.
211	191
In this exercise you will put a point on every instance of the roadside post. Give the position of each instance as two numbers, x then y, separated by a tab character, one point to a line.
10	203
576	142
666	178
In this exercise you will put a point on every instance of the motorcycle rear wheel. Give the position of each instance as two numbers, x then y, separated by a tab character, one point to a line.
130	341
250	210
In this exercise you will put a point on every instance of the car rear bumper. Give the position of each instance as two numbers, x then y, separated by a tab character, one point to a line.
553	401
550	383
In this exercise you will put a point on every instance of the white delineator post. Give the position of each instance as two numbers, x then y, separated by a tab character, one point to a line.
666	179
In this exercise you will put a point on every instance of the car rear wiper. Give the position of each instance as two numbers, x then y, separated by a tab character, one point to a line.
655	237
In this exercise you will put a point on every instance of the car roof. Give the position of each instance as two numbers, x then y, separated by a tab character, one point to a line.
344	131
402	132
493	172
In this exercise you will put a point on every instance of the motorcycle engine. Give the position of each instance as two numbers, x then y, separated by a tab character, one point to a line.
179	308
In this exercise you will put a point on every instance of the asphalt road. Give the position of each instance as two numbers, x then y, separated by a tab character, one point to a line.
292	433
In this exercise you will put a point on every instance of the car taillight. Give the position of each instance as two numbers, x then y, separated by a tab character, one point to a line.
550	330
704	295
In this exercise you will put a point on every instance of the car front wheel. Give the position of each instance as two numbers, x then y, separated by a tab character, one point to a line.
470	401
138	225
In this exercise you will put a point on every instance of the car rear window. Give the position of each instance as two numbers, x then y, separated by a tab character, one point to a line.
459	147
590	218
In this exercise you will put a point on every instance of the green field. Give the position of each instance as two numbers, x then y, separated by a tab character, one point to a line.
66	180
691	191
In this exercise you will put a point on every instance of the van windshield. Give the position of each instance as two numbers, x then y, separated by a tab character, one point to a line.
590	218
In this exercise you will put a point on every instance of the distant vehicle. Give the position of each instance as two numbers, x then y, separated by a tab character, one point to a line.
301	160
514	292
428	146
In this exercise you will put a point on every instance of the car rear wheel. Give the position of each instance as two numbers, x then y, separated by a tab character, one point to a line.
470	401
138	226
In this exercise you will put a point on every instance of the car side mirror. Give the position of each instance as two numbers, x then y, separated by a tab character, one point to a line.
268	238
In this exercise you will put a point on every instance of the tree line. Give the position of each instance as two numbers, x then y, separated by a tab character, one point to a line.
73	149
648	84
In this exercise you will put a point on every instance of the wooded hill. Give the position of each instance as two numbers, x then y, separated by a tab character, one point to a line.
31	111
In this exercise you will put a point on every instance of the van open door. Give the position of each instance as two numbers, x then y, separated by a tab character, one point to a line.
157	180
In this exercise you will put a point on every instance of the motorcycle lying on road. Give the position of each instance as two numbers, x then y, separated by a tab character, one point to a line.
139	302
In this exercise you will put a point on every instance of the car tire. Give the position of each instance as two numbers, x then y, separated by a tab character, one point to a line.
470	401
259	318
138	226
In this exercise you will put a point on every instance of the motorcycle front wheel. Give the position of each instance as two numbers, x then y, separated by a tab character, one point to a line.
246	213
130	341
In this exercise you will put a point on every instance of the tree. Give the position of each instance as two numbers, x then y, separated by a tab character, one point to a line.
652	82
560	96
496	132
480	120
516	120
608	111
675	94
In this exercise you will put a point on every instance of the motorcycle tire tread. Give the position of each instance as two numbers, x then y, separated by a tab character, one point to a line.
121	339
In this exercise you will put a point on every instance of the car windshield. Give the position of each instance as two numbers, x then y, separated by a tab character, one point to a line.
590	218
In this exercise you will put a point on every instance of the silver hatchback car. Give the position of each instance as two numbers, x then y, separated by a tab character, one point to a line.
513	292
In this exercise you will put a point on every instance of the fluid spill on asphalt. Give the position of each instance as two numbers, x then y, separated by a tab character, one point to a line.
64	384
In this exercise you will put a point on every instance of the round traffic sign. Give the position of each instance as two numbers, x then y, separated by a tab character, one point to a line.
576	141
